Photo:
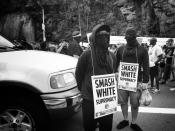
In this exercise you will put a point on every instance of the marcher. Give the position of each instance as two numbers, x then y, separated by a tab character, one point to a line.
44	46
172	65
162	65
132	52
74	49
96	60
173	68
155	55
169	50
63	47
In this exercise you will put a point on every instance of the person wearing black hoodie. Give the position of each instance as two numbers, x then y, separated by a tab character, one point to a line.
132	52
96	60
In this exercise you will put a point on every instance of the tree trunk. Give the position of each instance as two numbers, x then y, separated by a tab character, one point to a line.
153	23
18	27
138	5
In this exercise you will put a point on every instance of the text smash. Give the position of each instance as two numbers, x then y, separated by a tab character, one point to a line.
104	87
128	73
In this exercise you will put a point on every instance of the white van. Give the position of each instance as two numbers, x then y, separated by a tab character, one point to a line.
34	87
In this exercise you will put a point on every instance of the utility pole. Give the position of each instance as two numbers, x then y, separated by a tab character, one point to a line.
43	23
79	22
79	19
43	26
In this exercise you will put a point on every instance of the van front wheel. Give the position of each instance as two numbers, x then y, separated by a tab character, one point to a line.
23	115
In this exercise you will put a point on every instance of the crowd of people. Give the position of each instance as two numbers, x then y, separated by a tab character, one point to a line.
71	47
161	63
156	65
99	60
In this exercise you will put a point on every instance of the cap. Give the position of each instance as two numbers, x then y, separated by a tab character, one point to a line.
170	40
131	32
103	28
153	39
76	34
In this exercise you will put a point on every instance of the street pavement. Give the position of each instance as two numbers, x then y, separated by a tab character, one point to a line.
159	116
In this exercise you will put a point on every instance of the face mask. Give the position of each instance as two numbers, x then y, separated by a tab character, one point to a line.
102	40
130	37
130	40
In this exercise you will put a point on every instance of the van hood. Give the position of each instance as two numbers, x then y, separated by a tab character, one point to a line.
49	62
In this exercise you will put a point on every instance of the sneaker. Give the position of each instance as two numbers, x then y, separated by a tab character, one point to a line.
135	127
152	88
172	89
156	91
163	82
122	124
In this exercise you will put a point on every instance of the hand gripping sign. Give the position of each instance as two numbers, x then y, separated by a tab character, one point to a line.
105	95
128	74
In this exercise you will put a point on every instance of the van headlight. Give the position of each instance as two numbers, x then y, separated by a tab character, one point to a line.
62	80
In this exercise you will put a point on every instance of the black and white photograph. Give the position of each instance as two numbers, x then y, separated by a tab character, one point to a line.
87	65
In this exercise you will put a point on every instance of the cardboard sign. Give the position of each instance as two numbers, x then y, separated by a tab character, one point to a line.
105	95
128	74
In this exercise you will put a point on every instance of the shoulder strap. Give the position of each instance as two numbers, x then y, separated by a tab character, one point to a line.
92	60
112	62
123	53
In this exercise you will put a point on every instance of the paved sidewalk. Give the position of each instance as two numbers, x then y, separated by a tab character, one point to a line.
159	116
162	119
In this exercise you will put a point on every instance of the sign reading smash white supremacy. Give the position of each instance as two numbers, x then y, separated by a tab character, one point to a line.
105	94
128	74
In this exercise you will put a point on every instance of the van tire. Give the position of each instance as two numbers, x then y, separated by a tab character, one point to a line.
31	109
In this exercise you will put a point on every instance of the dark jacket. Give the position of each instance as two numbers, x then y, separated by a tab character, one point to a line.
74	49
129	55
84	71
88	66
169	52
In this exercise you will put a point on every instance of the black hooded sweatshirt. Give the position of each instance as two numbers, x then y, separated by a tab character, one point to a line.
93	61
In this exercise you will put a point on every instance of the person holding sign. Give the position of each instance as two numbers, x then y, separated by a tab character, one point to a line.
96	61
131	60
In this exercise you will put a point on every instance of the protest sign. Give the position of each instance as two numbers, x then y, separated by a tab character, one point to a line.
128	74
105	94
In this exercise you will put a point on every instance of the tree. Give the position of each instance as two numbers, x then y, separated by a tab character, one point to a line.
153	21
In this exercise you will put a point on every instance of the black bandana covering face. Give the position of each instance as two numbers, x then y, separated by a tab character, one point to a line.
130	37
102	40
101	48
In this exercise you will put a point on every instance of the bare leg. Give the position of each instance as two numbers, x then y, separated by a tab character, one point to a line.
134	111
124	108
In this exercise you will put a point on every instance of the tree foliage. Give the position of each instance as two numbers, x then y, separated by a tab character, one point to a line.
65	16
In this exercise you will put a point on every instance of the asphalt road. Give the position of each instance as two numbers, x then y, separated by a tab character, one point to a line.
159	116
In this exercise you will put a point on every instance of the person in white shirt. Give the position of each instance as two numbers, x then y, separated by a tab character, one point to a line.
155	54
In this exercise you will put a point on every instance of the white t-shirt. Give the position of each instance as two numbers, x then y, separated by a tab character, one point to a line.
154	52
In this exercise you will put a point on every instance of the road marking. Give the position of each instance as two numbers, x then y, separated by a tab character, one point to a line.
153	110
